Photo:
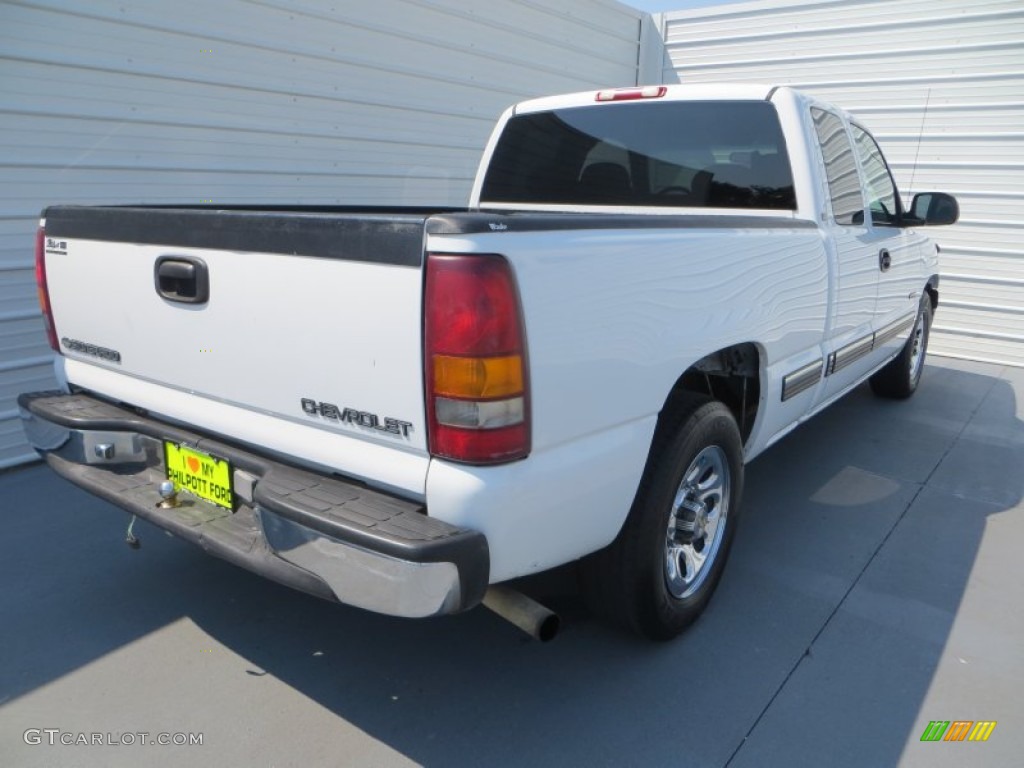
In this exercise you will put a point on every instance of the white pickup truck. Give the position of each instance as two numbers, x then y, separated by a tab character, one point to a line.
399	409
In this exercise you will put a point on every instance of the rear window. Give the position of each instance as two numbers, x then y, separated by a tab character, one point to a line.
713	154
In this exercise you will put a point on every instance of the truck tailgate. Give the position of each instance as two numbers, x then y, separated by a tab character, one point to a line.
312	318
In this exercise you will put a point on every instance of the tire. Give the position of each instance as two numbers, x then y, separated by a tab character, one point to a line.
900	377
660	572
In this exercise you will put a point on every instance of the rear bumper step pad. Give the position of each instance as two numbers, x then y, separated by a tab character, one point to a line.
321	534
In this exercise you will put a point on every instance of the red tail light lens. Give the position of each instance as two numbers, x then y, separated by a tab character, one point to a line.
478	405
44	291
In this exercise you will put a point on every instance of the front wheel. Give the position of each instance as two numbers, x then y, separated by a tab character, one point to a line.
900	377
658	575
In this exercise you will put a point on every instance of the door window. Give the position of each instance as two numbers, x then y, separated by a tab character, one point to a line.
840	168
883	199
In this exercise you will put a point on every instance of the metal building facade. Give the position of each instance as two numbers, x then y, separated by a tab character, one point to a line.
941	85
383	103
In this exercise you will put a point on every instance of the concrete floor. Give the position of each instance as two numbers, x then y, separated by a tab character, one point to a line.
875	585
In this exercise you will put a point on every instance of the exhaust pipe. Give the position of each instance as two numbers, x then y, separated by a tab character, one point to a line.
530	616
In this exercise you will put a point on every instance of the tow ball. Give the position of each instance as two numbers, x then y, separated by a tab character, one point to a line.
169	494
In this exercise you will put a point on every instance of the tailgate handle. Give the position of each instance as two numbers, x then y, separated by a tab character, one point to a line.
183	279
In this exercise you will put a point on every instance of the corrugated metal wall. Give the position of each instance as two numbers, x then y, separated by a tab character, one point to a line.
886	61
386	102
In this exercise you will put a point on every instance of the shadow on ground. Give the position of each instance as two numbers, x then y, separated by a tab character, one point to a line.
860	531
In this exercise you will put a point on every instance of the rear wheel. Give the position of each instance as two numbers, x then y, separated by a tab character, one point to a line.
658	575
899	379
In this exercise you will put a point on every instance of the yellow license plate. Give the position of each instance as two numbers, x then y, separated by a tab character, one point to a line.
200	474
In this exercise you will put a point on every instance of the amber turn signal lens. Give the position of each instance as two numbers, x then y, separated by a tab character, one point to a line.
478	377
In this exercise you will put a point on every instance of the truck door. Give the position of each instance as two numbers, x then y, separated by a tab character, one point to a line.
856	245
901	251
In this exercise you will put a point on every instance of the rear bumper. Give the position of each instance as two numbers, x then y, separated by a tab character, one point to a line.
317	533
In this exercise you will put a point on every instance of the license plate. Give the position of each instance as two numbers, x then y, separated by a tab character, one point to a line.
200	474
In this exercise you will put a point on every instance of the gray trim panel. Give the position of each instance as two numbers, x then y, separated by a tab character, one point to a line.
855	350
893	329
852	352
801	379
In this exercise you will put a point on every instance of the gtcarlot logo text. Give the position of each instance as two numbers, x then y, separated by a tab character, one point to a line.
55	736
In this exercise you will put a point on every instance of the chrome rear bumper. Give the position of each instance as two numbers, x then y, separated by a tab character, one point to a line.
315	532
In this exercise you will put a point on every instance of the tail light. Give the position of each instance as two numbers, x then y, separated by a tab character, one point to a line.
44	291
478	400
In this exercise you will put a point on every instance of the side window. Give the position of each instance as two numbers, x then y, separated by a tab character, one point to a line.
840	168
883	199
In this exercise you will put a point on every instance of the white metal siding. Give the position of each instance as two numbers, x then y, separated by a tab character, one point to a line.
885	61
386	103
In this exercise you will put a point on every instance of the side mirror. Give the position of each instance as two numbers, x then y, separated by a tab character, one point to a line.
933	209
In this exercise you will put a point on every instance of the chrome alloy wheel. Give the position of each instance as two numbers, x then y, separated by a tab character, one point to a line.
697	522
917	347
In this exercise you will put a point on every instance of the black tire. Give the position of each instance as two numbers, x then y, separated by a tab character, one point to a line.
900	377
630	581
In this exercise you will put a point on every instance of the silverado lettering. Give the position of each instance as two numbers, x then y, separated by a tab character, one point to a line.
91	349
59	247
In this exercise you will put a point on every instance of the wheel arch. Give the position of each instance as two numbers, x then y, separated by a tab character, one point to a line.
733	375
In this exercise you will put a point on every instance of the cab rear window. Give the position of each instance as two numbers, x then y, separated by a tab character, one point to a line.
712	154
